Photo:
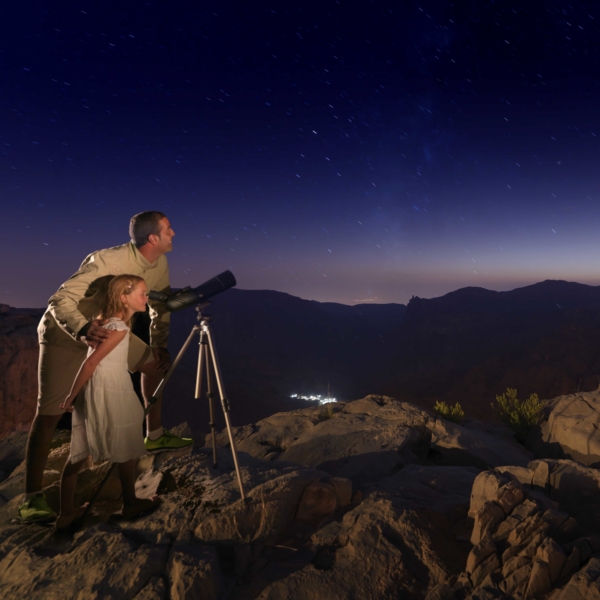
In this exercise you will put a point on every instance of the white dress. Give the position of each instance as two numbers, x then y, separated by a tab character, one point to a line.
108	417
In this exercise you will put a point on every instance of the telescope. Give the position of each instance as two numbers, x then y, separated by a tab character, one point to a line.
180	299
208	363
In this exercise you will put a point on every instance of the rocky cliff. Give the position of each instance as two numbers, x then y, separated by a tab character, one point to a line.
18	367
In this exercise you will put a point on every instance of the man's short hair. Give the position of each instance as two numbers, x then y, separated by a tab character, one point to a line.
143	225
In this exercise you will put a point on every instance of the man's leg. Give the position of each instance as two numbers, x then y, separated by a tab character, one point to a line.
57	369
141	359
151	378
38	448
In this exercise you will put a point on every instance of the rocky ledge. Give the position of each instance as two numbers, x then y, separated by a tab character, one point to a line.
371	499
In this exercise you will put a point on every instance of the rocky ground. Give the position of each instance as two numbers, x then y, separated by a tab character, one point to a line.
371	499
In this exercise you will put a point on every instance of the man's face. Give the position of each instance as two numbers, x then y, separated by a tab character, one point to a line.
164	240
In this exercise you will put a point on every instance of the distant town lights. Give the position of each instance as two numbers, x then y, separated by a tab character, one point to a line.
314	398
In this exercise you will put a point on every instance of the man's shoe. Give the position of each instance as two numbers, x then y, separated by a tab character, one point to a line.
36	510
167	441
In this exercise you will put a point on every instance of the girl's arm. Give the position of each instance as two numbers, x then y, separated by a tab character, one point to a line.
89	366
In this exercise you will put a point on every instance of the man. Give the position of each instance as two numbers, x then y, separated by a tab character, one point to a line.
67	329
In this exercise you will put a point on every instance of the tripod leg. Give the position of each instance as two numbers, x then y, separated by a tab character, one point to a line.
201	353
225	405
161	385
211	405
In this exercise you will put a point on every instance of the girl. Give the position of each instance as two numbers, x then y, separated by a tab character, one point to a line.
107	418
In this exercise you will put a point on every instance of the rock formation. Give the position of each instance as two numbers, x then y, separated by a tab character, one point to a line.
373	499
18	367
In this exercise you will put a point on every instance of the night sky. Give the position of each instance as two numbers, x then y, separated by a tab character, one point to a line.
334	150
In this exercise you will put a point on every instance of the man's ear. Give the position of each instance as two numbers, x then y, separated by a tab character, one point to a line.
152	239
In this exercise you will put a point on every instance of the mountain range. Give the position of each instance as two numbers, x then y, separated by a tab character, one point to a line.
467	346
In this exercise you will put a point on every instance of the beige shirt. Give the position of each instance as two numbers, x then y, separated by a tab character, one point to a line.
81	298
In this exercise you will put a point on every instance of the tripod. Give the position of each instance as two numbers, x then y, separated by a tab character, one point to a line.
207	357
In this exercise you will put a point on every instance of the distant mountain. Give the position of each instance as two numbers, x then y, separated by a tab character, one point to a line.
473	343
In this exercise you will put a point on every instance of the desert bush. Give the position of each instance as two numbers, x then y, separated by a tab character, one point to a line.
519	415
451	413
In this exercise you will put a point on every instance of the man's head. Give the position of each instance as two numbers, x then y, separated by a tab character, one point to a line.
151	227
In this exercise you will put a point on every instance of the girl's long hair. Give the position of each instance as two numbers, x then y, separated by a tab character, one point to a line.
121	285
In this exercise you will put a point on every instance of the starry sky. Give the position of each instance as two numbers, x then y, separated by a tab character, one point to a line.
334	150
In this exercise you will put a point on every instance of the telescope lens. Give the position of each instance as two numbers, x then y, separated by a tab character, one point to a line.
203	292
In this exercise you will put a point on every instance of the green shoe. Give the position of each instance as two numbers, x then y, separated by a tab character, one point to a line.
36	510
167	441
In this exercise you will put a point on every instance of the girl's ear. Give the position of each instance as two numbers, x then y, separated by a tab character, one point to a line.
124	299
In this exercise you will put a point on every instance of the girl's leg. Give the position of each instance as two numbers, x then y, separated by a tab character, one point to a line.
127	476
68	482
132	505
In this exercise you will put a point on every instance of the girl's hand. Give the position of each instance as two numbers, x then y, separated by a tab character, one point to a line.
69	404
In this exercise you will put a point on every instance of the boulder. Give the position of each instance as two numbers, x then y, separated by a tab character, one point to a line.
516	580
554	557
487	519
523	533
585	585
509	496
485	489
576	487
485	569
485	548
570	429
513	564
539	580
522	475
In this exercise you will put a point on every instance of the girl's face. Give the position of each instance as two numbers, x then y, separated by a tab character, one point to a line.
136	301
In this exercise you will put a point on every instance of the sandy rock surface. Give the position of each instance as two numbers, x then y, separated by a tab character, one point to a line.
371	438
367	510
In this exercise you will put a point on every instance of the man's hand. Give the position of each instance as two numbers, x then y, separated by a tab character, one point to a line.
95	334
162	358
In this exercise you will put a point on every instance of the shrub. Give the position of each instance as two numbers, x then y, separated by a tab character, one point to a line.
326	412
519	415
451	413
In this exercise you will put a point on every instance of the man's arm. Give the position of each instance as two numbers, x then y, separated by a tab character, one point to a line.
64	304
160	317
